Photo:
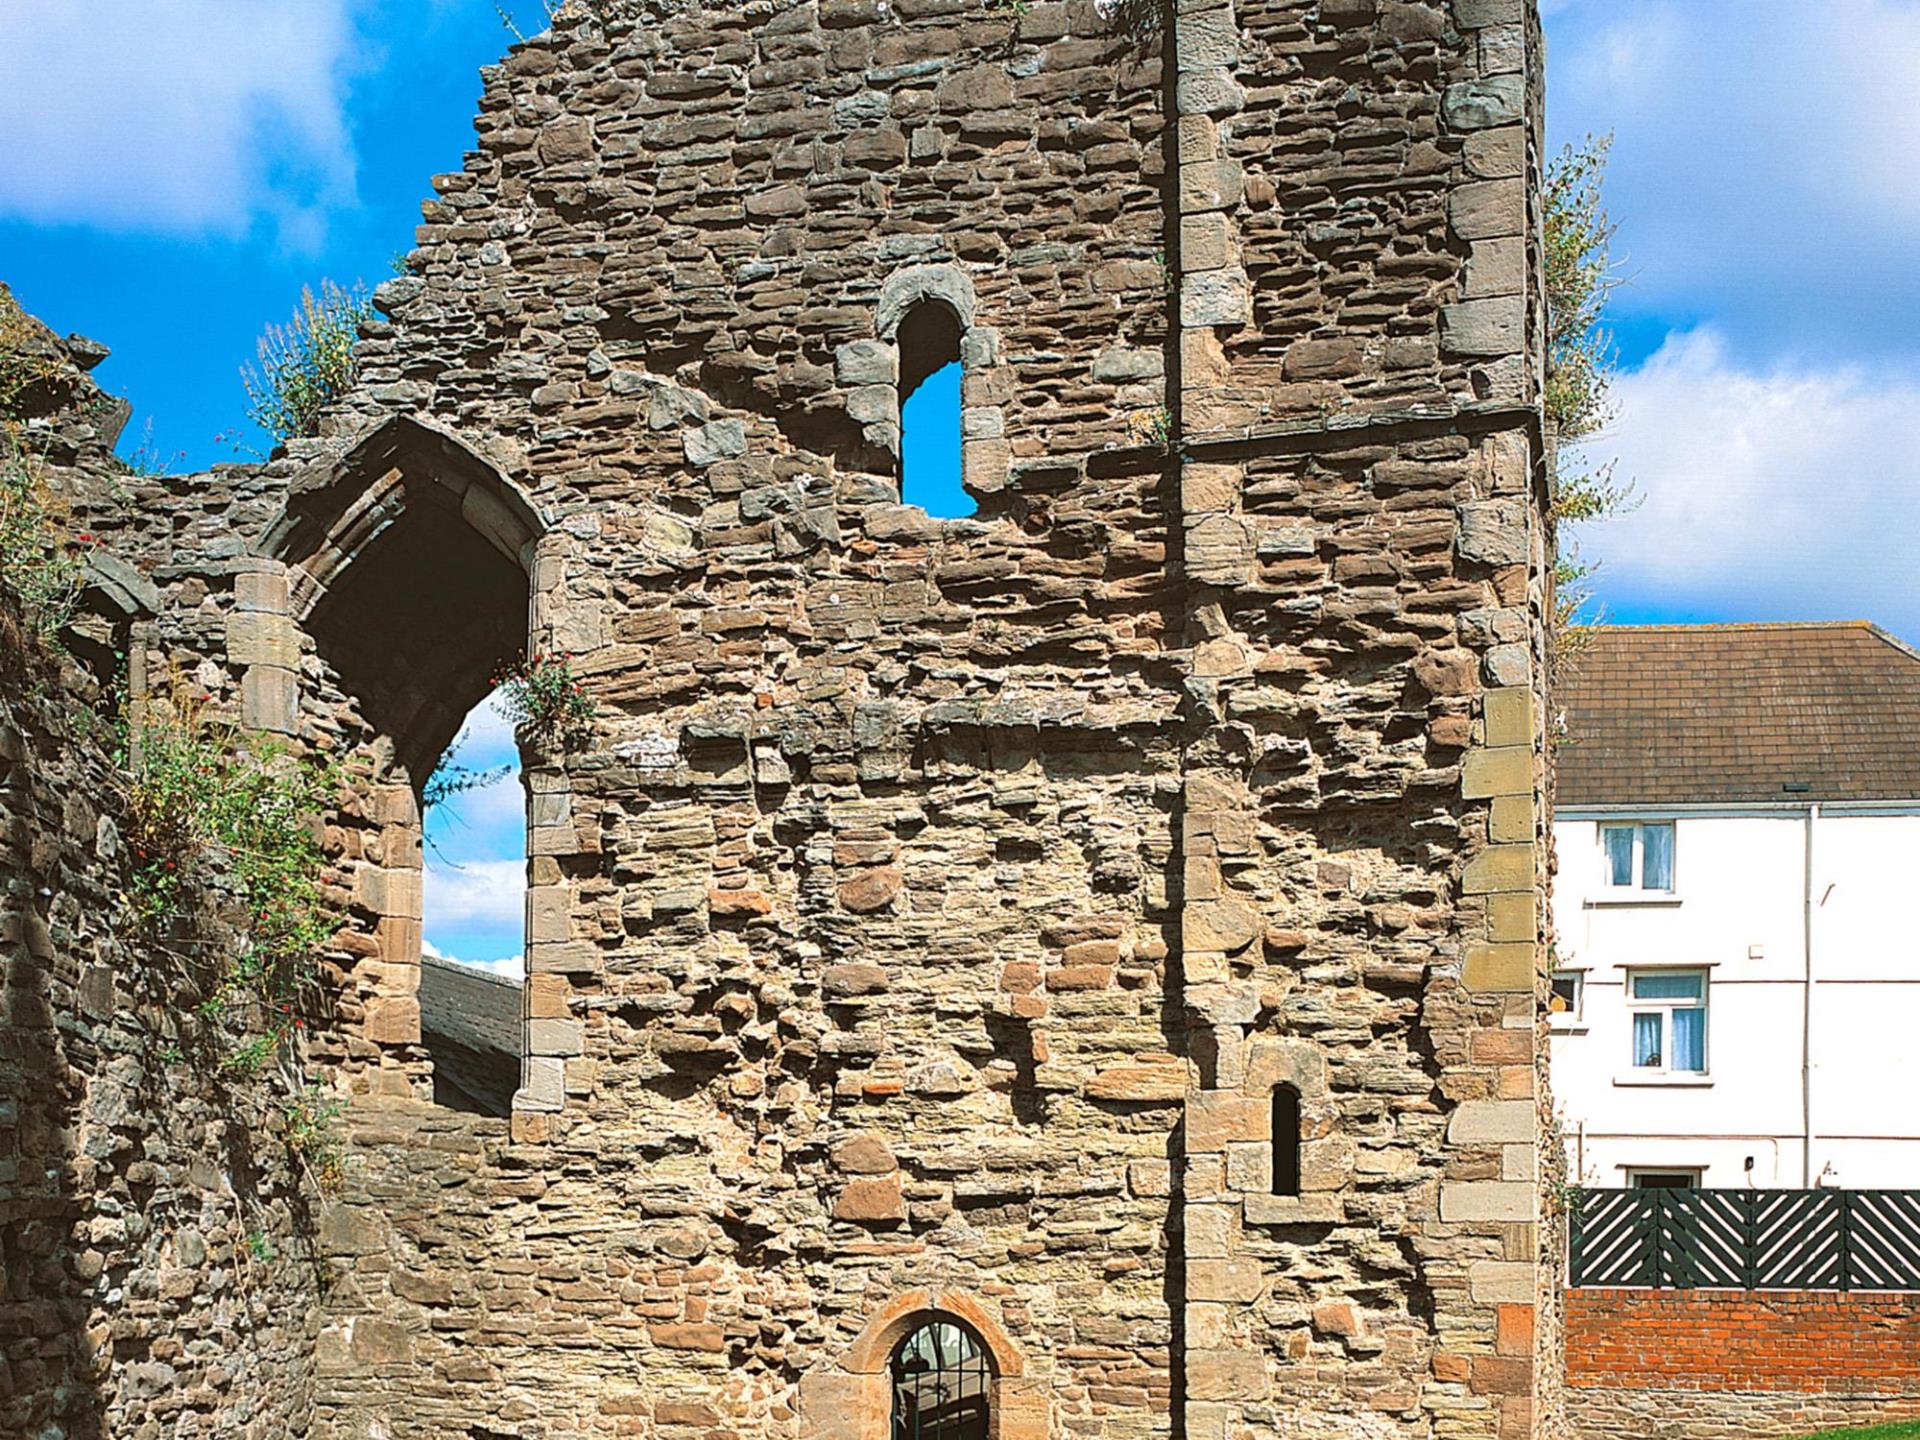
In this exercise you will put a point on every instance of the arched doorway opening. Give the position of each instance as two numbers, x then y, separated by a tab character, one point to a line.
409	564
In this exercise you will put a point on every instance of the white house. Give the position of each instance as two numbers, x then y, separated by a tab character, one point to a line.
1737	983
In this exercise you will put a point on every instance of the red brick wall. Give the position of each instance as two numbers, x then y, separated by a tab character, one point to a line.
1754	1341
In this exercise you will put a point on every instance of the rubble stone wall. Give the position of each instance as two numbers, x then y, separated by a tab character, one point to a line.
158	1272
939	904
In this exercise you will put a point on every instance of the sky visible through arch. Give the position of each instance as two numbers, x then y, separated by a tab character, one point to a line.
475	853
194	162
930	446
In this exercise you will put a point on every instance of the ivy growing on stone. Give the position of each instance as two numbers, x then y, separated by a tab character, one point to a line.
209	804
312	1137
41	565
27	363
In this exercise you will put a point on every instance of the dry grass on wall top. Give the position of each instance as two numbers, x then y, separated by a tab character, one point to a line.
308	363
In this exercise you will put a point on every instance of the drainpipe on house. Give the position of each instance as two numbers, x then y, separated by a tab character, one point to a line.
1806	1014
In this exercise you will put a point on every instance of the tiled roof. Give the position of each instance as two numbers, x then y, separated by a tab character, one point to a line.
470	1020
1697	714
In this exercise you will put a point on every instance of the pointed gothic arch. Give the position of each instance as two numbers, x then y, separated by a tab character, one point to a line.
408	561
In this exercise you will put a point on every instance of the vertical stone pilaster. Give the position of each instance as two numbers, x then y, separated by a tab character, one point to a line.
1228	1371
391	888
553	1042
263	642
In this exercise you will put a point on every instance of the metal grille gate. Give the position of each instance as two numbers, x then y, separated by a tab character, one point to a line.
941	1384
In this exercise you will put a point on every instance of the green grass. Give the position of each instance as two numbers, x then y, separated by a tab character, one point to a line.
1907	1430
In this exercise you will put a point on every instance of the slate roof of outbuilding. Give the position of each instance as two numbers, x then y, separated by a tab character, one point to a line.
471	1007
1703	714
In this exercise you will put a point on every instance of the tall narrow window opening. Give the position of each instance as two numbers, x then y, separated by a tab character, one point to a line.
930	404
473	945
1286	1140
942	1383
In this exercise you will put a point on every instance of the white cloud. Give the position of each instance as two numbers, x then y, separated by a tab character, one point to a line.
1763	172
489	821
1779	493
479	894
176	116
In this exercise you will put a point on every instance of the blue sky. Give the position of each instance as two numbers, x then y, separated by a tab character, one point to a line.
189	164
476	853
1766	184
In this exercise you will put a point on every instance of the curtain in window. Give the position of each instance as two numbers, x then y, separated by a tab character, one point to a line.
1656	861
1657	986
1619	842
1646	1039
1689	1041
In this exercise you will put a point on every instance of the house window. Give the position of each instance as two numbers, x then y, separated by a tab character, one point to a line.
1569	994
941	1383
1638	856
1663	1179
1286	1140
1669	1021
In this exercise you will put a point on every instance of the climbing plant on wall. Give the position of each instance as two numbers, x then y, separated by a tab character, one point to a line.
212	807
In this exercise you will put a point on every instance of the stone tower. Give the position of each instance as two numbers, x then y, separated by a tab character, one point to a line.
1109	922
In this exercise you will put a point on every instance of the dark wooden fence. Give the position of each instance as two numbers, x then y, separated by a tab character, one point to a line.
1746	1239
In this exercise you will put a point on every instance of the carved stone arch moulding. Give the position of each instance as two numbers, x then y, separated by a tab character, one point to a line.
415	569
851	1398
338	506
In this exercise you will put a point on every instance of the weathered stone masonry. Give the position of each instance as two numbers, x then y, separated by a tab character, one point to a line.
939	904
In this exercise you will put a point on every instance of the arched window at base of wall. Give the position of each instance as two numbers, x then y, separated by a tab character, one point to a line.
942	1383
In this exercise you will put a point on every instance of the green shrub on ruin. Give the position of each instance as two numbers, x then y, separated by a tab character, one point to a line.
546	702
308	363
24	363
39	562
311	1136
209	804
1581	368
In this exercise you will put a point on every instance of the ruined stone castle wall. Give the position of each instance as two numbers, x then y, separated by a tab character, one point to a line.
157	1267
939	904
867	936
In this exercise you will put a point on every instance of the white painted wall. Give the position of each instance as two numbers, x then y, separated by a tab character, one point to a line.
1740	911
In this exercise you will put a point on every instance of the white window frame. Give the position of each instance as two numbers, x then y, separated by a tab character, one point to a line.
1637	889
1664	1008
1576	1018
